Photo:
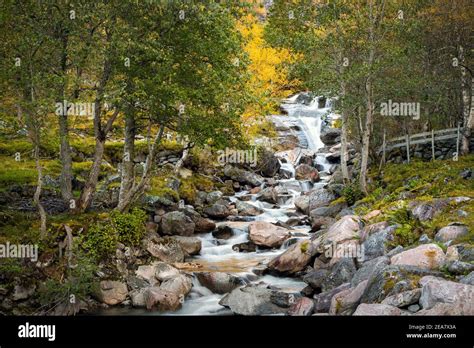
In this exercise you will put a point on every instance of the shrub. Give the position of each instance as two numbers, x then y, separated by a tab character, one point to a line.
130	227
352	193
100	240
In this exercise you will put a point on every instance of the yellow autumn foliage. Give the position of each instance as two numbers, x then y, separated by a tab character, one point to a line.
268	75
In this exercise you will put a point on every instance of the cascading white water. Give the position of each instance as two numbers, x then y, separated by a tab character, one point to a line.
219	255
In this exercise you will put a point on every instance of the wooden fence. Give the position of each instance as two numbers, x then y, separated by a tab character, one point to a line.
420	138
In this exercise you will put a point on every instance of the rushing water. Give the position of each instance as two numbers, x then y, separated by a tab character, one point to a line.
218	255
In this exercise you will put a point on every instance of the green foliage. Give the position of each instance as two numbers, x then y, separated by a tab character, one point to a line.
352	193
102	236
80	282
100	240
409	230
129	226
24	172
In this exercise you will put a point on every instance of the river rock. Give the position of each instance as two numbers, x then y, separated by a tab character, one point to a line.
438	290
190	245
404	298
180	285
247	209
177	223
377	309
368	268
217	211
204	225
147	272
213	197
346	302
164	272
451	232
316	198
293	259
316	278
306	172
460	267
392	280
243	176
266	234
112	292
346	228
429	256
223	232
219	282
302	306
245	247
269	195
166	249
369	230
329	136
253	300
322	301
160	299
268	165
341	272
137	296
425	211
376	245
469	279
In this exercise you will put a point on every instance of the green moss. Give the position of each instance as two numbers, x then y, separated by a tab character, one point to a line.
24	172
304	246
159	186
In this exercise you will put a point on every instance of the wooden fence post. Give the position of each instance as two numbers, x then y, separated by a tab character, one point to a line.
457	141
384	144
408	147
432	145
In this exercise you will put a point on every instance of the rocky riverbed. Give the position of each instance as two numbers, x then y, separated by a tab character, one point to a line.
284	244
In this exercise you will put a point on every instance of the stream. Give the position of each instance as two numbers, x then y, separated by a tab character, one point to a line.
218	255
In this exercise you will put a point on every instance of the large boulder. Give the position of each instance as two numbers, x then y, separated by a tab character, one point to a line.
451	232
147	272
316	198
428	256
177	223
306	172
346	302
204	225
368	268
404	298
266	234
345	229
293	259
392	280
302	306
166	249
247	209
460	297
267	164
180	285
112	292
425	211
242	176
376	245
269	195
255	300
219	282
330	136
190	245
157	298
377	309
322	301
217	211
341	272
164	272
